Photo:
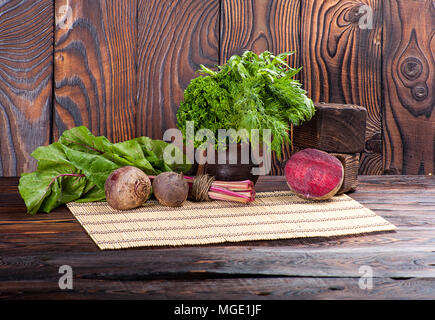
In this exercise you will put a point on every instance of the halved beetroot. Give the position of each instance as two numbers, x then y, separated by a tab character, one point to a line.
314	174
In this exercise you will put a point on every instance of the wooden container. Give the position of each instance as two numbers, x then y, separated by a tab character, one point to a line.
350	164
334	128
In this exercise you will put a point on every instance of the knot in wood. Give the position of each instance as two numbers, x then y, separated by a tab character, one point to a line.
420	92
412	68
354	14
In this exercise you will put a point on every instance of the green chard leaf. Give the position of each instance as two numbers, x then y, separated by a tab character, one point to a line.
95	167
132	152
55	182
155	149
76	167
81	139
93	194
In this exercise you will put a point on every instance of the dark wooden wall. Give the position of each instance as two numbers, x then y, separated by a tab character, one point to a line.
120	67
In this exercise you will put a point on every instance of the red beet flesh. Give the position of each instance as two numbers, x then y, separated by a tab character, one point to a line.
314	174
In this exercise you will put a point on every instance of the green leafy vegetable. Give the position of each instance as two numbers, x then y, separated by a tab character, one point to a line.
76	167
248	92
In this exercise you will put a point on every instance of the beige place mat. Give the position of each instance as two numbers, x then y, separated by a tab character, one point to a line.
273	215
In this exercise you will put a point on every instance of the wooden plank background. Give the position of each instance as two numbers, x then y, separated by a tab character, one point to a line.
120	67
26	77
342	63
409	87
174	38
95	68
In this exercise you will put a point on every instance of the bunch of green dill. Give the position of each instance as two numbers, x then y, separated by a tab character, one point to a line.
248	92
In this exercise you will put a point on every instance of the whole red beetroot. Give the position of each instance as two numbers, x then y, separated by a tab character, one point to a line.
127	188
170	189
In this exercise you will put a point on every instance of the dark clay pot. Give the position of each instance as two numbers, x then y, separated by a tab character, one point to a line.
228	171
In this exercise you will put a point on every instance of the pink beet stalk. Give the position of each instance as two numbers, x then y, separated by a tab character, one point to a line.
245	185
236	191
235	185
219	193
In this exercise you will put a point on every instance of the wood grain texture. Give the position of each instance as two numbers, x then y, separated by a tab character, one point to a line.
334	128
342	62
409	87
222	262
26	74
215	290
350	164
260	25
32	248
406	201
123	65
174	38
95	67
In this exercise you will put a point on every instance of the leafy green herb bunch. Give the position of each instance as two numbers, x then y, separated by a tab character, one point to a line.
248	92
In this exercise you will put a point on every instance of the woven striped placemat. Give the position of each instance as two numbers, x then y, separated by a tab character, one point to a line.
273	215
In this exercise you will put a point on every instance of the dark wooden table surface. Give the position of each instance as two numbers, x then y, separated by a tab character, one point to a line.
32	249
